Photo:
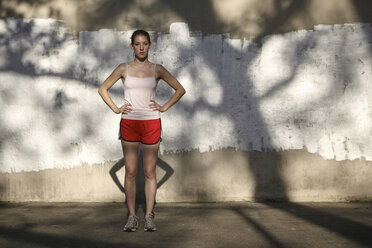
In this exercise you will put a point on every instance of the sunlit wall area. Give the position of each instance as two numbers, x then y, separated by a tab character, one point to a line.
279	109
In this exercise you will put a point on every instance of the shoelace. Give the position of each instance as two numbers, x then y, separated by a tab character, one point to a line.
131	220
149	220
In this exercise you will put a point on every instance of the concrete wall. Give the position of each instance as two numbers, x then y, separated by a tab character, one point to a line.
283	116
239	18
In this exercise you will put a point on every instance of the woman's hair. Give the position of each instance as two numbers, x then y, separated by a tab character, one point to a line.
140	32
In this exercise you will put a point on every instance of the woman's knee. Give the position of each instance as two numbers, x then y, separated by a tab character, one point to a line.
130	173
150	174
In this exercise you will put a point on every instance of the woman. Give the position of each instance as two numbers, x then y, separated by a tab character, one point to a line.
140	121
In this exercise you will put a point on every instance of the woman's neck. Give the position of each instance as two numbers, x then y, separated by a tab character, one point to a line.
141	62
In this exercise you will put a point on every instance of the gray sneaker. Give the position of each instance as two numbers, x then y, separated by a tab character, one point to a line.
132	224
149	223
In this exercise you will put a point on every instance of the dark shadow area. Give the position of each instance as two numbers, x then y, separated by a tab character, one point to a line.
239	224
203	16
282	15
352	230
168	171
268	236
364	9
4	204
103	15
7	12
275	16
27	236
120	164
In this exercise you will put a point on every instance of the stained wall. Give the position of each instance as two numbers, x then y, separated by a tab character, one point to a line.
272	111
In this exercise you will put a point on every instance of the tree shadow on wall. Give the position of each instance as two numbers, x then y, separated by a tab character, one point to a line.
264	165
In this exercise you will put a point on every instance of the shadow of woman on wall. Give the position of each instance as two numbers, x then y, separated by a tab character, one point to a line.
140	178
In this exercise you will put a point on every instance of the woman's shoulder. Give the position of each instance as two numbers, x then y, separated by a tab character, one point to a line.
121	70
122	66
159	67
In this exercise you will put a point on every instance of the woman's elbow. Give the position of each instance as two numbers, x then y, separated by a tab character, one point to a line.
100	90
182	91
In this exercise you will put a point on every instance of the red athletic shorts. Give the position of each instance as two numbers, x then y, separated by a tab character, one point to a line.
147	132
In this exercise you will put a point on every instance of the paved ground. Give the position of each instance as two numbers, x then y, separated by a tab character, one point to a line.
188	225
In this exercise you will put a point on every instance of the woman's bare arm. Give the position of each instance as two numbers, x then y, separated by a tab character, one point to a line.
172	82
118	73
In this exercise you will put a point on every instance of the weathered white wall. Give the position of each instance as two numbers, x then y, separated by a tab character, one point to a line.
307	89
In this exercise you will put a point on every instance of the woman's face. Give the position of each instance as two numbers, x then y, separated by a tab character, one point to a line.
141	47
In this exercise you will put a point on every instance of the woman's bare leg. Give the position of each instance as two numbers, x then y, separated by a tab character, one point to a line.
150	156
130	150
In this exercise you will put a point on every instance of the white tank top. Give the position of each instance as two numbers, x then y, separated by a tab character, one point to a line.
138	91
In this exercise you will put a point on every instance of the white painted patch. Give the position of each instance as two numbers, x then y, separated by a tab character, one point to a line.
180	32
304	89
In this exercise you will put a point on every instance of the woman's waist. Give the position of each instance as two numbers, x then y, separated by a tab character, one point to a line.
142	109
142	114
